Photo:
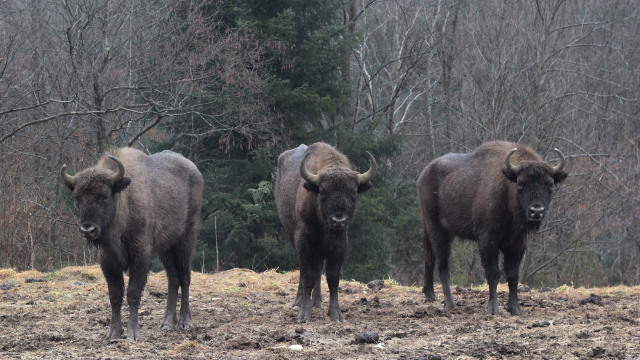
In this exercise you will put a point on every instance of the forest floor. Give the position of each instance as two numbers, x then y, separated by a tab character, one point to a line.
240	314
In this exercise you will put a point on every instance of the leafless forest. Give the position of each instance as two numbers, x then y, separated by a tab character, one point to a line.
80	76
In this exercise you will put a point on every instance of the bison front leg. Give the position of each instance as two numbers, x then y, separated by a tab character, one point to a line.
512	269
307	282
334	266
115	283
137	280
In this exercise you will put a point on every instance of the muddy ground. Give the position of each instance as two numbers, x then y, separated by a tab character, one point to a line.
240	314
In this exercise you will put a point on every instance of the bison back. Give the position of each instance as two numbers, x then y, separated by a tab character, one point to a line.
166	189
461	191
288	182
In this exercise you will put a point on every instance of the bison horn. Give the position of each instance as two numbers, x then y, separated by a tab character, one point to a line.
556	169
306	175
512	168
120	173
363	178
68	179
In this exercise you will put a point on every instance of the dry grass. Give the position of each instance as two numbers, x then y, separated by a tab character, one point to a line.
243	314
243	281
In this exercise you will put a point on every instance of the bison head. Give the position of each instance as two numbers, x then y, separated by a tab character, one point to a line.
534	184
94	191
337	190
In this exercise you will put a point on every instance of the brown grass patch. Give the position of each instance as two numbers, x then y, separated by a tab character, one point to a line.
81	273
7	274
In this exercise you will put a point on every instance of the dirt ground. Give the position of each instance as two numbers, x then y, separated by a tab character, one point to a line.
240	314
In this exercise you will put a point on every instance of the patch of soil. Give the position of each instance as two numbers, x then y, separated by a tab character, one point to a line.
240	314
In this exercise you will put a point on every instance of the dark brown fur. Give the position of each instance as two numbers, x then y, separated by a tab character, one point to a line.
154	208
474	196
307	213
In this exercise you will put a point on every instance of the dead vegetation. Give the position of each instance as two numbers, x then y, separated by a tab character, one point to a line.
240	314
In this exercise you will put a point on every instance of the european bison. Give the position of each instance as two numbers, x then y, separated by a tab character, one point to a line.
494	195
315	193
155	208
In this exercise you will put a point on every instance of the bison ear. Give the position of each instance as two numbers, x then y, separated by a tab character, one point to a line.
121	184
364	187
311	188
510	175
559	176
69	185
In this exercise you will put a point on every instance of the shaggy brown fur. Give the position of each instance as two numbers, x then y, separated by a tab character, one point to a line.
475	196
316	214
153	207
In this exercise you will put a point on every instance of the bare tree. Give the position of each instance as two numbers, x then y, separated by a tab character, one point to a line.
546	73
78	77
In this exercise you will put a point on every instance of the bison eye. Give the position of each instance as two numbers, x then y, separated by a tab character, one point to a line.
520	187
103	199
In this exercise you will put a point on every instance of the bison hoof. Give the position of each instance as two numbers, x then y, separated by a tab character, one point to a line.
515	311
186	324
449	305
429	297
304	316
114	333
133	335
339	317
493	309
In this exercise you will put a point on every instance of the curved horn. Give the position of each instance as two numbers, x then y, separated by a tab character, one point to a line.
373	167
507	161
120	172
556	169
68	179
309	177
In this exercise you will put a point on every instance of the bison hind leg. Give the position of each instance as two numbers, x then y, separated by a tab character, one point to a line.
429	264
172	290
296	302
437	251
316	295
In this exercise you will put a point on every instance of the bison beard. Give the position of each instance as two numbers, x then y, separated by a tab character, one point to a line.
315	193
483	196
155	208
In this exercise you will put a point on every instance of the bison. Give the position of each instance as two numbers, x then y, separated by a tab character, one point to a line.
315	193
154	209
494	195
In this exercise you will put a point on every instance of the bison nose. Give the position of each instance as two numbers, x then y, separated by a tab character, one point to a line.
338	220
89	231
536	212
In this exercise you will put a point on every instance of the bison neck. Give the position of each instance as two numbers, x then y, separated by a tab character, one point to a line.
117	240
334	240
113	252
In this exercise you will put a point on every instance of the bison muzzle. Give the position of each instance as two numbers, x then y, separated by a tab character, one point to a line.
155	208
494	195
